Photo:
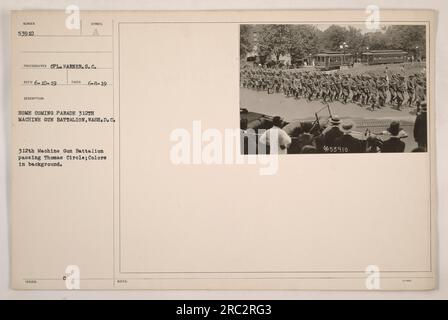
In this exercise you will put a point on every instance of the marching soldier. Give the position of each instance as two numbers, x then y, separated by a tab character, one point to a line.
366	90
393	89
332	87
356	89
297	86
401	89
373	93
310	86
411	90
345	88
338	83
325	89
317	82
382	88
420	92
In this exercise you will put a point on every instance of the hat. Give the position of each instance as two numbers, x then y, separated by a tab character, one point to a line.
347	126
277	121
394	128
334	120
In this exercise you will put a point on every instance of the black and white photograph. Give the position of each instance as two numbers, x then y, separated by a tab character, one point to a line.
140	158
333	88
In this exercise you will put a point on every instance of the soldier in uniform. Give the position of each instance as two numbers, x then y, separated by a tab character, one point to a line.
277	81
258	81
382	89
296	86
356	89
316	88
420	92
410	84
373	93
266	79
310	86
393	89
401	89
365	90
345	88
303	85
285	84
324	87
268	84
332	88
338	83
252	80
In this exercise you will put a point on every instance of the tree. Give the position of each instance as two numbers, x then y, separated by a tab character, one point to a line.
355	40
376	40
406	37
246	43
304	41
298	41
301	41
399	37
333	37
274	39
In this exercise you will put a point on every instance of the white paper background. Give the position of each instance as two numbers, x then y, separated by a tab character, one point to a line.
441	121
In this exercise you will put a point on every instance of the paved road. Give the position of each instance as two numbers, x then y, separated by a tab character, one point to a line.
299	109
277	104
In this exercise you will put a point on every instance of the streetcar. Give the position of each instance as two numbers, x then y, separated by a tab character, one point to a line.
331	60
384	56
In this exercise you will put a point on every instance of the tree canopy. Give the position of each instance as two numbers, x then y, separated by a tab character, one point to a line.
300	41
246	41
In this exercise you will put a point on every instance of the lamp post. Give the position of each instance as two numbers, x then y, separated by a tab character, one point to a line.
343	46
366	60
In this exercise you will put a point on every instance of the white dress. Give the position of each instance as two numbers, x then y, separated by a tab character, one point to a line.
283	140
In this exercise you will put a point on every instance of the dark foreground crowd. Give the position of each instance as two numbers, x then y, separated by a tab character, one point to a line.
374	91
334	137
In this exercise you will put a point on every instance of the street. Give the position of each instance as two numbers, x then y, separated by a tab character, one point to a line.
289	109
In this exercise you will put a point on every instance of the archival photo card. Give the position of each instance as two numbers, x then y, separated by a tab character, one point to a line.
144	150
333	88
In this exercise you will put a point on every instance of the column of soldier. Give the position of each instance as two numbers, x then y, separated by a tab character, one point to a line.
367	90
